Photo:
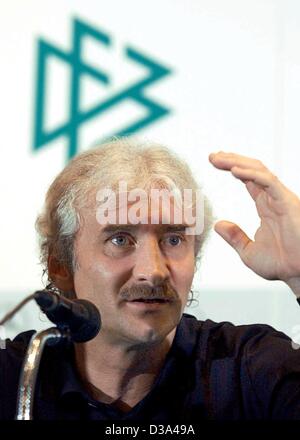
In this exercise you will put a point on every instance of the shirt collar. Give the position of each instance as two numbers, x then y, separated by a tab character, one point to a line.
66	382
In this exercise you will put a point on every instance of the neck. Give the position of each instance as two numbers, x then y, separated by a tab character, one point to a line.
120	375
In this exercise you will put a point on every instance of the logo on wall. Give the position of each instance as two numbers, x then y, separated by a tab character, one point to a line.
136	93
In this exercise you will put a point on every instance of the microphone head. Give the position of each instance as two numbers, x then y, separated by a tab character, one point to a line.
91	326
79	316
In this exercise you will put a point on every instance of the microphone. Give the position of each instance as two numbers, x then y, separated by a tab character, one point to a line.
79	316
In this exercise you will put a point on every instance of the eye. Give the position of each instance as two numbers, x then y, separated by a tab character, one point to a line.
174	239
121	240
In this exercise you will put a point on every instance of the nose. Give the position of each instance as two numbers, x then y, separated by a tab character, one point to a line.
151	265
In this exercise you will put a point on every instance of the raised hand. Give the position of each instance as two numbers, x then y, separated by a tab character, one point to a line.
274	253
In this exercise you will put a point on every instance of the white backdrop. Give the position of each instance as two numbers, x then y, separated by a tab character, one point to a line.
234	85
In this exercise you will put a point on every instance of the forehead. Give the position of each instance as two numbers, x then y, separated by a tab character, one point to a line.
138	206
152	207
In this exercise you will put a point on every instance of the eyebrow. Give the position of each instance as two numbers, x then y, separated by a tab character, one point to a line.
130	228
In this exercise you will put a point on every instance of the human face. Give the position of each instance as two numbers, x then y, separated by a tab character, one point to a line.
139	276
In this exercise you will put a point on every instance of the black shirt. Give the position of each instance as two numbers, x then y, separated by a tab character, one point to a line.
213	371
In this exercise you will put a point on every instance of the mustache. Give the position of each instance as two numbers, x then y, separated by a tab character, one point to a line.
144	292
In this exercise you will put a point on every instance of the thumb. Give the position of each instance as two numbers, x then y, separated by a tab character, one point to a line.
234	235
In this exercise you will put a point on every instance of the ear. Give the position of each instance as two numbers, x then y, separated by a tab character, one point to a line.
60	275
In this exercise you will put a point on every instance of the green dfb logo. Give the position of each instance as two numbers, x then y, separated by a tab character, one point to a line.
76	117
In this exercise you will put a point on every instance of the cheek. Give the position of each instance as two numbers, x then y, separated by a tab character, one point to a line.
97	277
184	274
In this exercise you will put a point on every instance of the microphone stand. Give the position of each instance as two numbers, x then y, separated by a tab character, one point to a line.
77	321
31	364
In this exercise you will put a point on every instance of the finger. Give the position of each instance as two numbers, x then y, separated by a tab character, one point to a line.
234	235
253	189
226	161
264	179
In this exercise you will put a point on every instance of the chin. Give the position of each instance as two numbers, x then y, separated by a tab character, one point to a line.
152	335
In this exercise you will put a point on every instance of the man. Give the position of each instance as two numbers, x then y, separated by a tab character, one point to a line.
135	261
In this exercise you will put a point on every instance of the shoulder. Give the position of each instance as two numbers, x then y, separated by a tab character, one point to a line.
224	339
16	348
253	362
11	360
